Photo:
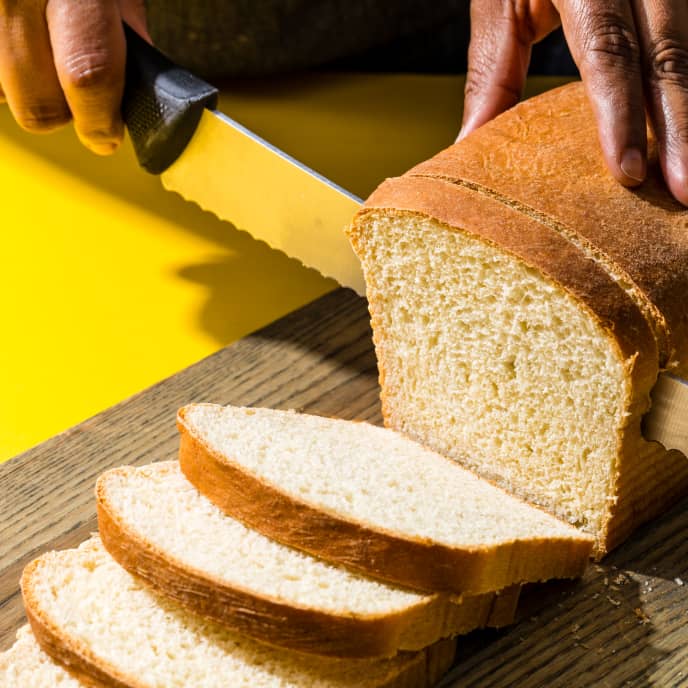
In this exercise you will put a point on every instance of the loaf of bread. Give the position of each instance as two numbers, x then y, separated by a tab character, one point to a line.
522	304
371	500
159	527
89	614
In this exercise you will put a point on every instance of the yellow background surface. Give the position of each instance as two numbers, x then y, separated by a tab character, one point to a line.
110	284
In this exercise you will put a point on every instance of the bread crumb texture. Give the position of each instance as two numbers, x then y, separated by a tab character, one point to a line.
485	360
370	475
25	664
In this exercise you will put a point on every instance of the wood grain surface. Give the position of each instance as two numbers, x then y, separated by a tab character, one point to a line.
624	624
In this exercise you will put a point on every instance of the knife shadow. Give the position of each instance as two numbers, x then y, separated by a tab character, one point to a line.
338	326
228	310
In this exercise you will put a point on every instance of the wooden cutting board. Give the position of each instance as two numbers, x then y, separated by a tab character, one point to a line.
624	624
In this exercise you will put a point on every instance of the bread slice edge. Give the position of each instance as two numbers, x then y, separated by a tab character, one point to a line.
408	562
277	622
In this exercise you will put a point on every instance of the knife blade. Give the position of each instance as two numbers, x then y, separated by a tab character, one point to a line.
269	194
228	170
210	159
667	422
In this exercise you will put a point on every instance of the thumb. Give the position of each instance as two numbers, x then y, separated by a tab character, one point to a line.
134	13
502	33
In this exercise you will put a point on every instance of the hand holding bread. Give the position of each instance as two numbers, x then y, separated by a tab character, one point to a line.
632	56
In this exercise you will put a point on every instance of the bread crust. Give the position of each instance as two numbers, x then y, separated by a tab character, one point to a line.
405	561
64	649
543	157
421	670
282	624
639	491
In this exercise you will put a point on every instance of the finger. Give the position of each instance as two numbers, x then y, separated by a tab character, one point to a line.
502	33
27	73
663	33
88	46
604	44
498	60
134	13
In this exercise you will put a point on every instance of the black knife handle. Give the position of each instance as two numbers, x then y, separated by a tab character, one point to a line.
162	104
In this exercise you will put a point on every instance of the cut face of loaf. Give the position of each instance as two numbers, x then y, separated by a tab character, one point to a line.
371	500
504	345
159	527
89	613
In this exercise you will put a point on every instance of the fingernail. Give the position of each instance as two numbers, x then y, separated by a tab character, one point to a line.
103	148
100	143
632	164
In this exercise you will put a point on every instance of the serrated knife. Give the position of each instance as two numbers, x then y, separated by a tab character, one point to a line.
210	159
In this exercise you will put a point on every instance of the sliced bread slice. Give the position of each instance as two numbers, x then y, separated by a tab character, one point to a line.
25	664
371	500
90	614
522	305
160	528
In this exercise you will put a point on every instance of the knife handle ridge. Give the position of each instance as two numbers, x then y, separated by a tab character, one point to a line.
162	104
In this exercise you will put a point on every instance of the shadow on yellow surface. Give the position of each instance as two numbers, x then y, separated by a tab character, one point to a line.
109	283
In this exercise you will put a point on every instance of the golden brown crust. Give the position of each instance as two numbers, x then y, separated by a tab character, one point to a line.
504	606
438	658
546	250
408	562
21	656
544	156
71	654
279	623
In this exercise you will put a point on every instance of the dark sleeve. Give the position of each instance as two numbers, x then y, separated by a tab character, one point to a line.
227	38
244	38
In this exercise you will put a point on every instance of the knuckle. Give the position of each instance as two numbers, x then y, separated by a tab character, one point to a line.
481	71
667	61
477	74
682	135
611	42
676	134
475	82
90	72
482	77
41	117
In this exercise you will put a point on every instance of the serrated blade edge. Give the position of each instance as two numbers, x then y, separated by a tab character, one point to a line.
230	171
667	421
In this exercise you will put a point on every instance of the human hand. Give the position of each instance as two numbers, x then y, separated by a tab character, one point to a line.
62	60
632	55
